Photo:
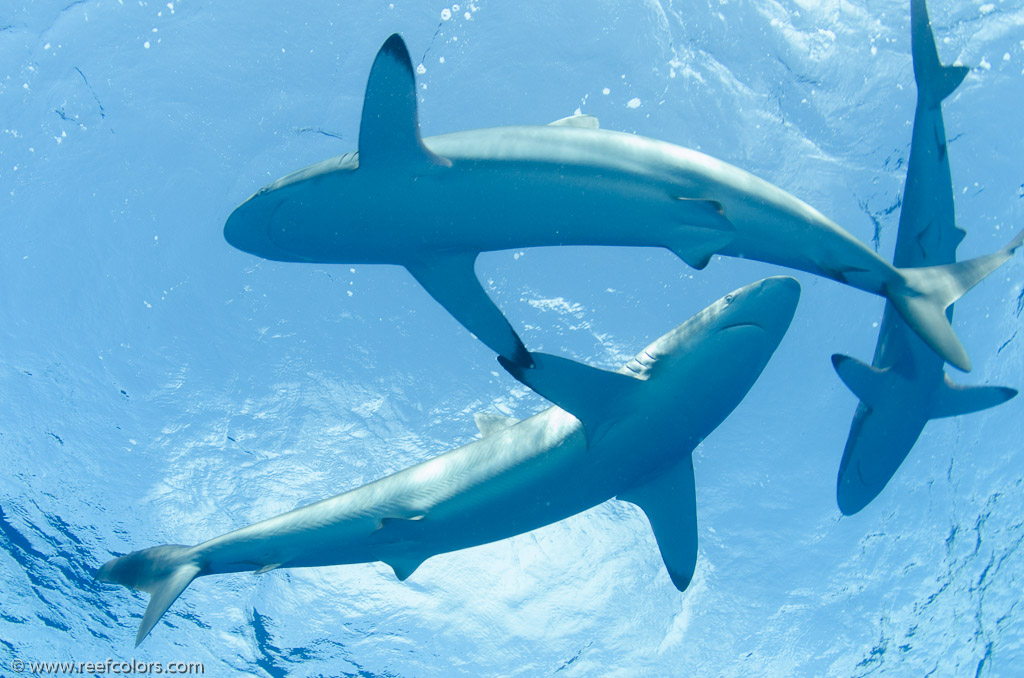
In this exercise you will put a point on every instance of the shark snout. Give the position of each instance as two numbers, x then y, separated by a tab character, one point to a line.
782	291
246	228
768	304
249	228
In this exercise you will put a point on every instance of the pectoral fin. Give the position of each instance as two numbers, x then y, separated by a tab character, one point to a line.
954	399
451	280
670	502
867	383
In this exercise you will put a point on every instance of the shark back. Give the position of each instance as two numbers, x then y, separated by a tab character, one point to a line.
928	234
905	385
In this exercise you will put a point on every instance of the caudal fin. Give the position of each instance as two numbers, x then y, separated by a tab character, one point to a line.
923	295
935	82
162	571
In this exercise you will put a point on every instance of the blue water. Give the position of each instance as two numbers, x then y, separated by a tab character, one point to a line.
158	386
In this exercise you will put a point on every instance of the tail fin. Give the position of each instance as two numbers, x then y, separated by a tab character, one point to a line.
923	295
935	82
162	571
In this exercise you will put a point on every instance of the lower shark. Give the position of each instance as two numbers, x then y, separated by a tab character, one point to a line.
432	205
639	428
905	385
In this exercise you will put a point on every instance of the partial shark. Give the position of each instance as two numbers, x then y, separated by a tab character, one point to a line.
640	425
432	205
905	385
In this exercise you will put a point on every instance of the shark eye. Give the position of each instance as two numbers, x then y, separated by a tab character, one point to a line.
729	298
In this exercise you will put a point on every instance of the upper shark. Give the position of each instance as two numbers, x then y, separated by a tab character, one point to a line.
432	205
905	385
639	427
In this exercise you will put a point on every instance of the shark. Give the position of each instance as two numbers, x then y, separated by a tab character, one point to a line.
631	436
434	204
906	386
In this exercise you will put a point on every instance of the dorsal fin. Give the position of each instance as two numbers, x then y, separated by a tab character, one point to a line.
935	82
389	132
578	120
492	423
589	394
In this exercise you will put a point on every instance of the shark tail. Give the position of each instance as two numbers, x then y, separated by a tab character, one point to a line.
162	571
935	82
922	295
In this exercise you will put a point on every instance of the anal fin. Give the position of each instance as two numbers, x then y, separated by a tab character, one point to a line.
451	280
403	567
670	502
402	535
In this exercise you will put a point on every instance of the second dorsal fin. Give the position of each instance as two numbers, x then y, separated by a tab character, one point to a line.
578	120
492	423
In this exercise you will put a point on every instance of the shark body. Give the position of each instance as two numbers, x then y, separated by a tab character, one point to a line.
905	386
639	427
432	205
